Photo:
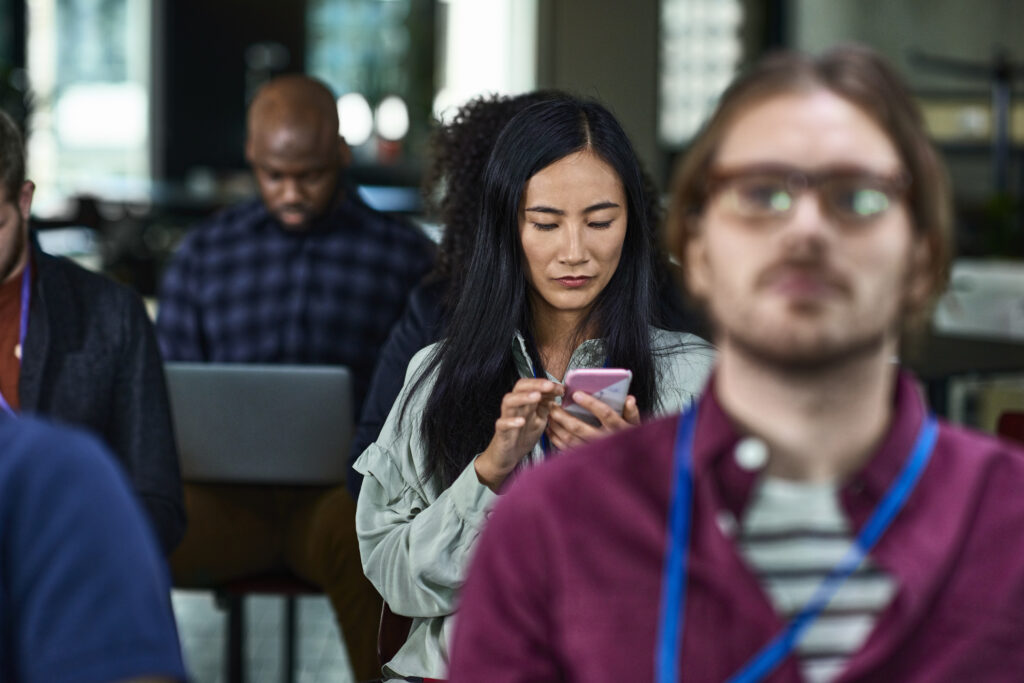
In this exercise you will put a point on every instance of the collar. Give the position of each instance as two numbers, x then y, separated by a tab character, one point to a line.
589	354
51	294
11	289
717	438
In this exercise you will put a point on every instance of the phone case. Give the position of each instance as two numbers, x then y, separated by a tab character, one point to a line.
610	385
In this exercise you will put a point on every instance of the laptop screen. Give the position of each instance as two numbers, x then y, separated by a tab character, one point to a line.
281	424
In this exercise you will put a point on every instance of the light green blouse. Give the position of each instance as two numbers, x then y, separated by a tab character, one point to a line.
416	539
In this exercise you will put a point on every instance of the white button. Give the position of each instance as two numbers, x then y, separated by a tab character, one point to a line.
751	454
727	523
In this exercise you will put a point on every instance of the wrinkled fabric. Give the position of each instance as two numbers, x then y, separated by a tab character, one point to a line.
416	539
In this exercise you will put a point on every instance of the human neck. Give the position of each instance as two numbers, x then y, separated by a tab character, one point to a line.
17	268
556	334
819	426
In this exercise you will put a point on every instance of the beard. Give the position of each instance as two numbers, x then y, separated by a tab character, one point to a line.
809	335
793	354
806	341
11	258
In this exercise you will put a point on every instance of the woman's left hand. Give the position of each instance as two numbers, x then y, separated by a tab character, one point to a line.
565	430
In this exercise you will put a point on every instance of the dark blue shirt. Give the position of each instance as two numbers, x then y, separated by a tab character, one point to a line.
84	591
243	289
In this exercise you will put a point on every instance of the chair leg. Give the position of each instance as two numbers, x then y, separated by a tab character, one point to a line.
235	646
291	637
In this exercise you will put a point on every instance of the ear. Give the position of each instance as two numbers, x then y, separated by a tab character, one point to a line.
344	153
28	189
697	269
919	283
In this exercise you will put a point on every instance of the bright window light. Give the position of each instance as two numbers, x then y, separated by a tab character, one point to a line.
103	115
392	118
476	61
700	49
355	119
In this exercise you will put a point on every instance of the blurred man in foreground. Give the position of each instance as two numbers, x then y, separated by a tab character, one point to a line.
809	520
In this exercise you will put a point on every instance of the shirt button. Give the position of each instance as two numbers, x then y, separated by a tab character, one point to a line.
727	523
751	454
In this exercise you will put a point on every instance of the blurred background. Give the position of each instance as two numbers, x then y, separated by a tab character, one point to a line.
134	109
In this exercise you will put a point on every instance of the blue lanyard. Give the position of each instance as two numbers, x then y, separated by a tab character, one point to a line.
673	592
26	292
545	443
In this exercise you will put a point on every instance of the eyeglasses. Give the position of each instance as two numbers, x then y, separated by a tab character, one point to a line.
768	192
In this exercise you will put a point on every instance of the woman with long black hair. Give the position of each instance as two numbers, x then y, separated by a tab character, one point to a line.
561	277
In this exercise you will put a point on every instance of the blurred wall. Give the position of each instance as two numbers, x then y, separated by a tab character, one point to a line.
204	64
951	28
607	49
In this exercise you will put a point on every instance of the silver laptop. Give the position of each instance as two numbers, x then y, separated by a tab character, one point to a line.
281	424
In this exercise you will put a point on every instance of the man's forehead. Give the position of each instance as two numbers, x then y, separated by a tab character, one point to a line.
807	129
293	145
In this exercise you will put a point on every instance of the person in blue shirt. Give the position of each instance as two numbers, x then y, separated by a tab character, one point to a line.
304	274
84	591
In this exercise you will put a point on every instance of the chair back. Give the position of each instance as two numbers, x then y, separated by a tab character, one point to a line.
1011	426
392	634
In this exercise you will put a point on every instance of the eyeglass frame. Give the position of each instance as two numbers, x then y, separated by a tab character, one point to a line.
896	186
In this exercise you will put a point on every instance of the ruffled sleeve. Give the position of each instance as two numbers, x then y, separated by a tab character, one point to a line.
415	541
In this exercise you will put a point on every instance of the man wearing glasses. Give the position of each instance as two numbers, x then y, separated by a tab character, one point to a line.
809	519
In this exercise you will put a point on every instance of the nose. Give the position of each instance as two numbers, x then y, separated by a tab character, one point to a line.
291	191
809	225
573	249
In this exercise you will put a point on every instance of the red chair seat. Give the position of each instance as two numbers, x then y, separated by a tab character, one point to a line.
1011	426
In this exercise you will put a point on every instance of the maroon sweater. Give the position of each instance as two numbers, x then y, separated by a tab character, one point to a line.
566	580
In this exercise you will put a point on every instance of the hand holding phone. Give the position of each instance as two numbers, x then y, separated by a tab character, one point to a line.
608	385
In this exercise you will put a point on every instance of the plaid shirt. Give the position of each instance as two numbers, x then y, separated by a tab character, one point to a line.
242	289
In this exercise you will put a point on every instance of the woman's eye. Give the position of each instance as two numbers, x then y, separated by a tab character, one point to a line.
545	226
600	224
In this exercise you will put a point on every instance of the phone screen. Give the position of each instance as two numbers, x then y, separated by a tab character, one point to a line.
609	385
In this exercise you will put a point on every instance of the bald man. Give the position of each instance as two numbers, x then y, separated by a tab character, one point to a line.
307	273
295	150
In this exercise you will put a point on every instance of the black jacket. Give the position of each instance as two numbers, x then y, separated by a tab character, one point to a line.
91	360
420	325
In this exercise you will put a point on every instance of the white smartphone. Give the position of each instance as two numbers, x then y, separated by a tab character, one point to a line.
609	385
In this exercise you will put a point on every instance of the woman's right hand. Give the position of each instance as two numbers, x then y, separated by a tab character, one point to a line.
524	415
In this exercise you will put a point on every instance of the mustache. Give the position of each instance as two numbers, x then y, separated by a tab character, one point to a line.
817	269
300	208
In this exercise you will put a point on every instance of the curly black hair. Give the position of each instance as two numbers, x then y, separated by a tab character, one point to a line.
453	181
